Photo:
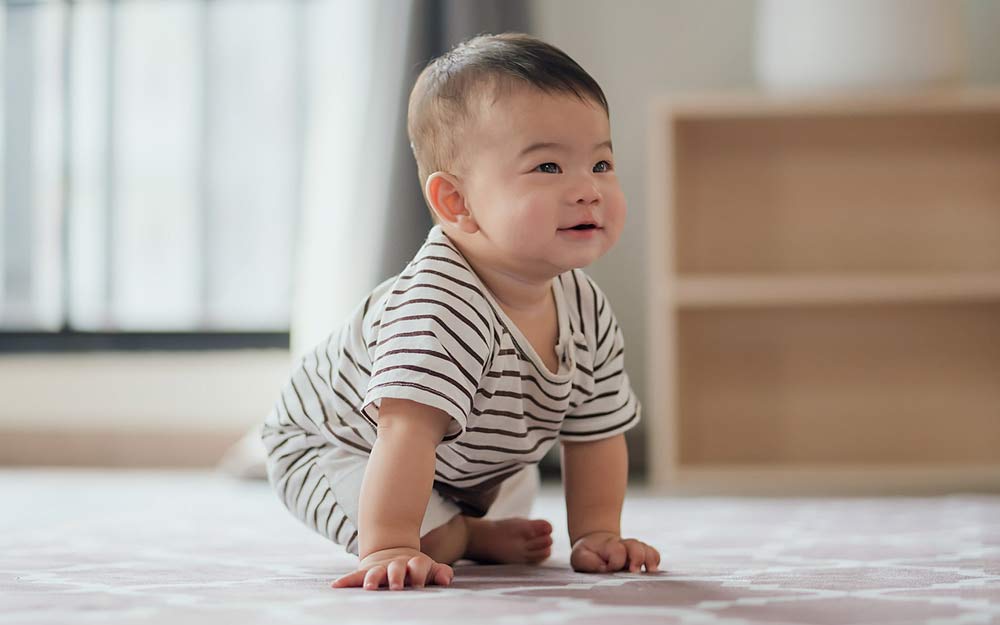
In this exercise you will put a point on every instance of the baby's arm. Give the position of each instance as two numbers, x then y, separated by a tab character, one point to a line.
395	491
595	474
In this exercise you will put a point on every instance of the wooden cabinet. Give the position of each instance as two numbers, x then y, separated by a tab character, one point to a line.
824	288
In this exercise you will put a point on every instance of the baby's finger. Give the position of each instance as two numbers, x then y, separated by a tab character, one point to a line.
442	574
419	568
636	555
351	580
586	561
397	574
375	577
652	559
614	553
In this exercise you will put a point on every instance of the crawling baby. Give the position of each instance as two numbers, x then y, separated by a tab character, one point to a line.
412	434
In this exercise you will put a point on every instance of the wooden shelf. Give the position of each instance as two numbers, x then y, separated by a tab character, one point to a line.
825	280
756	104
811	480
768	290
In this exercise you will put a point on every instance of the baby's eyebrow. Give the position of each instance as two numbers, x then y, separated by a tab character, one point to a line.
545	145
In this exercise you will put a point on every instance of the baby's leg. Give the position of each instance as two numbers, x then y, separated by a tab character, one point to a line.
496	538
517	494
507	541
447	543
306	473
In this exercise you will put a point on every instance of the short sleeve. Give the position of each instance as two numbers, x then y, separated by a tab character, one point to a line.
431	345
612	407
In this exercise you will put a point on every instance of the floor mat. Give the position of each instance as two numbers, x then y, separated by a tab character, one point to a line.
173	547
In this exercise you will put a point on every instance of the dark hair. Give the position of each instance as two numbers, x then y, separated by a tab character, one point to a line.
486	64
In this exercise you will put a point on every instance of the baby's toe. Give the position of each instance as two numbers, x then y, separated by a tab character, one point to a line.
538	555
540	527
539	542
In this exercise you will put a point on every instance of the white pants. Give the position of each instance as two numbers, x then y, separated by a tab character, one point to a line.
344	472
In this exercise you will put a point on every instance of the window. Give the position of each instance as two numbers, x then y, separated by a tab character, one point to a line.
151	163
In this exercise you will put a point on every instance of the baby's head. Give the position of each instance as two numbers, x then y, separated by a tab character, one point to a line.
513	147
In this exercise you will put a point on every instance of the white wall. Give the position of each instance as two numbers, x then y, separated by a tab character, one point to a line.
638	48
133	391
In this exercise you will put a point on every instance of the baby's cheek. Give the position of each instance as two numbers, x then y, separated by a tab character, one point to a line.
616	202
614	212
512	237
531	223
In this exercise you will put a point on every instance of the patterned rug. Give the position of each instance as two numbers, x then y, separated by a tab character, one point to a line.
190	547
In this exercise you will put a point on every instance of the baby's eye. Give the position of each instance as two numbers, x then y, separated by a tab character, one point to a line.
548	168
599	169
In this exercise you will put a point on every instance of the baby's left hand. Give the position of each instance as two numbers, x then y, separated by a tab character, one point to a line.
605	552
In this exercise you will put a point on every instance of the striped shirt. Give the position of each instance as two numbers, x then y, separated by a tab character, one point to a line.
434	334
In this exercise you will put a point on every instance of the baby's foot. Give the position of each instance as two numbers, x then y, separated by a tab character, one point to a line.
508	541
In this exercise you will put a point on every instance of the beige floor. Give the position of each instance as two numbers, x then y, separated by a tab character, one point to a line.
189	547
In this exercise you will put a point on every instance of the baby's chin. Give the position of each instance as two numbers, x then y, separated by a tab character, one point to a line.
550	265
557	255
579	259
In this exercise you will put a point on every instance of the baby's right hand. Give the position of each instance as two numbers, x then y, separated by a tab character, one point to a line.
400	565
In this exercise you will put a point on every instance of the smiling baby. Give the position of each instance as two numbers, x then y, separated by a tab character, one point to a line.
411	436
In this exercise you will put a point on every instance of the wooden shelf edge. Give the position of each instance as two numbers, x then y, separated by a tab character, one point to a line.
805	480
731	290
749	103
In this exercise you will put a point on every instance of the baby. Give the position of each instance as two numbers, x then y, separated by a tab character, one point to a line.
412	435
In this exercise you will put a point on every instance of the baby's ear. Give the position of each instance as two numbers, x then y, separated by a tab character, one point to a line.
448	203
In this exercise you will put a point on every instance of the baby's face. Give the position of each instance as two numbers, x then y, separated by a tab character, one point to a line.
535	166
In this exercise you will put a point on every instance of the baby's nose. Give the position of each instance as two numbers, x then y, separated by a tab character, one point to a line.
588	194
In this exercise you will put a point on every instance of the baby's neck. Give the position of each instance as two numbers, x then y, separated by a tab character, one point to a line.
522	293
517	296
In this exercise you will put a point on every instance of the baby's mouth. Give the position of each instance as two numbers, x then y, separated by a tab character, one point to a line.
582	227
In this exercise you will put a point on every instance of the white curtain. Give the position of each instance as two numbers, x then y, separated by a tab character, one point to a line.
354	122
363	210
30	268
151	163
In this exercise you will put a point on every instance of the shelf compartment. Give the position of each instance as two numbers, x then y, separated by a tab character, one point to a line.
879	190
811	479
743	290
912	384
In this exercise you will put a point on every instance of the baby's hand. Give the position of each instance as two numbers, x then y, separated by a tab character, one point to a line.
401	565
601	552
